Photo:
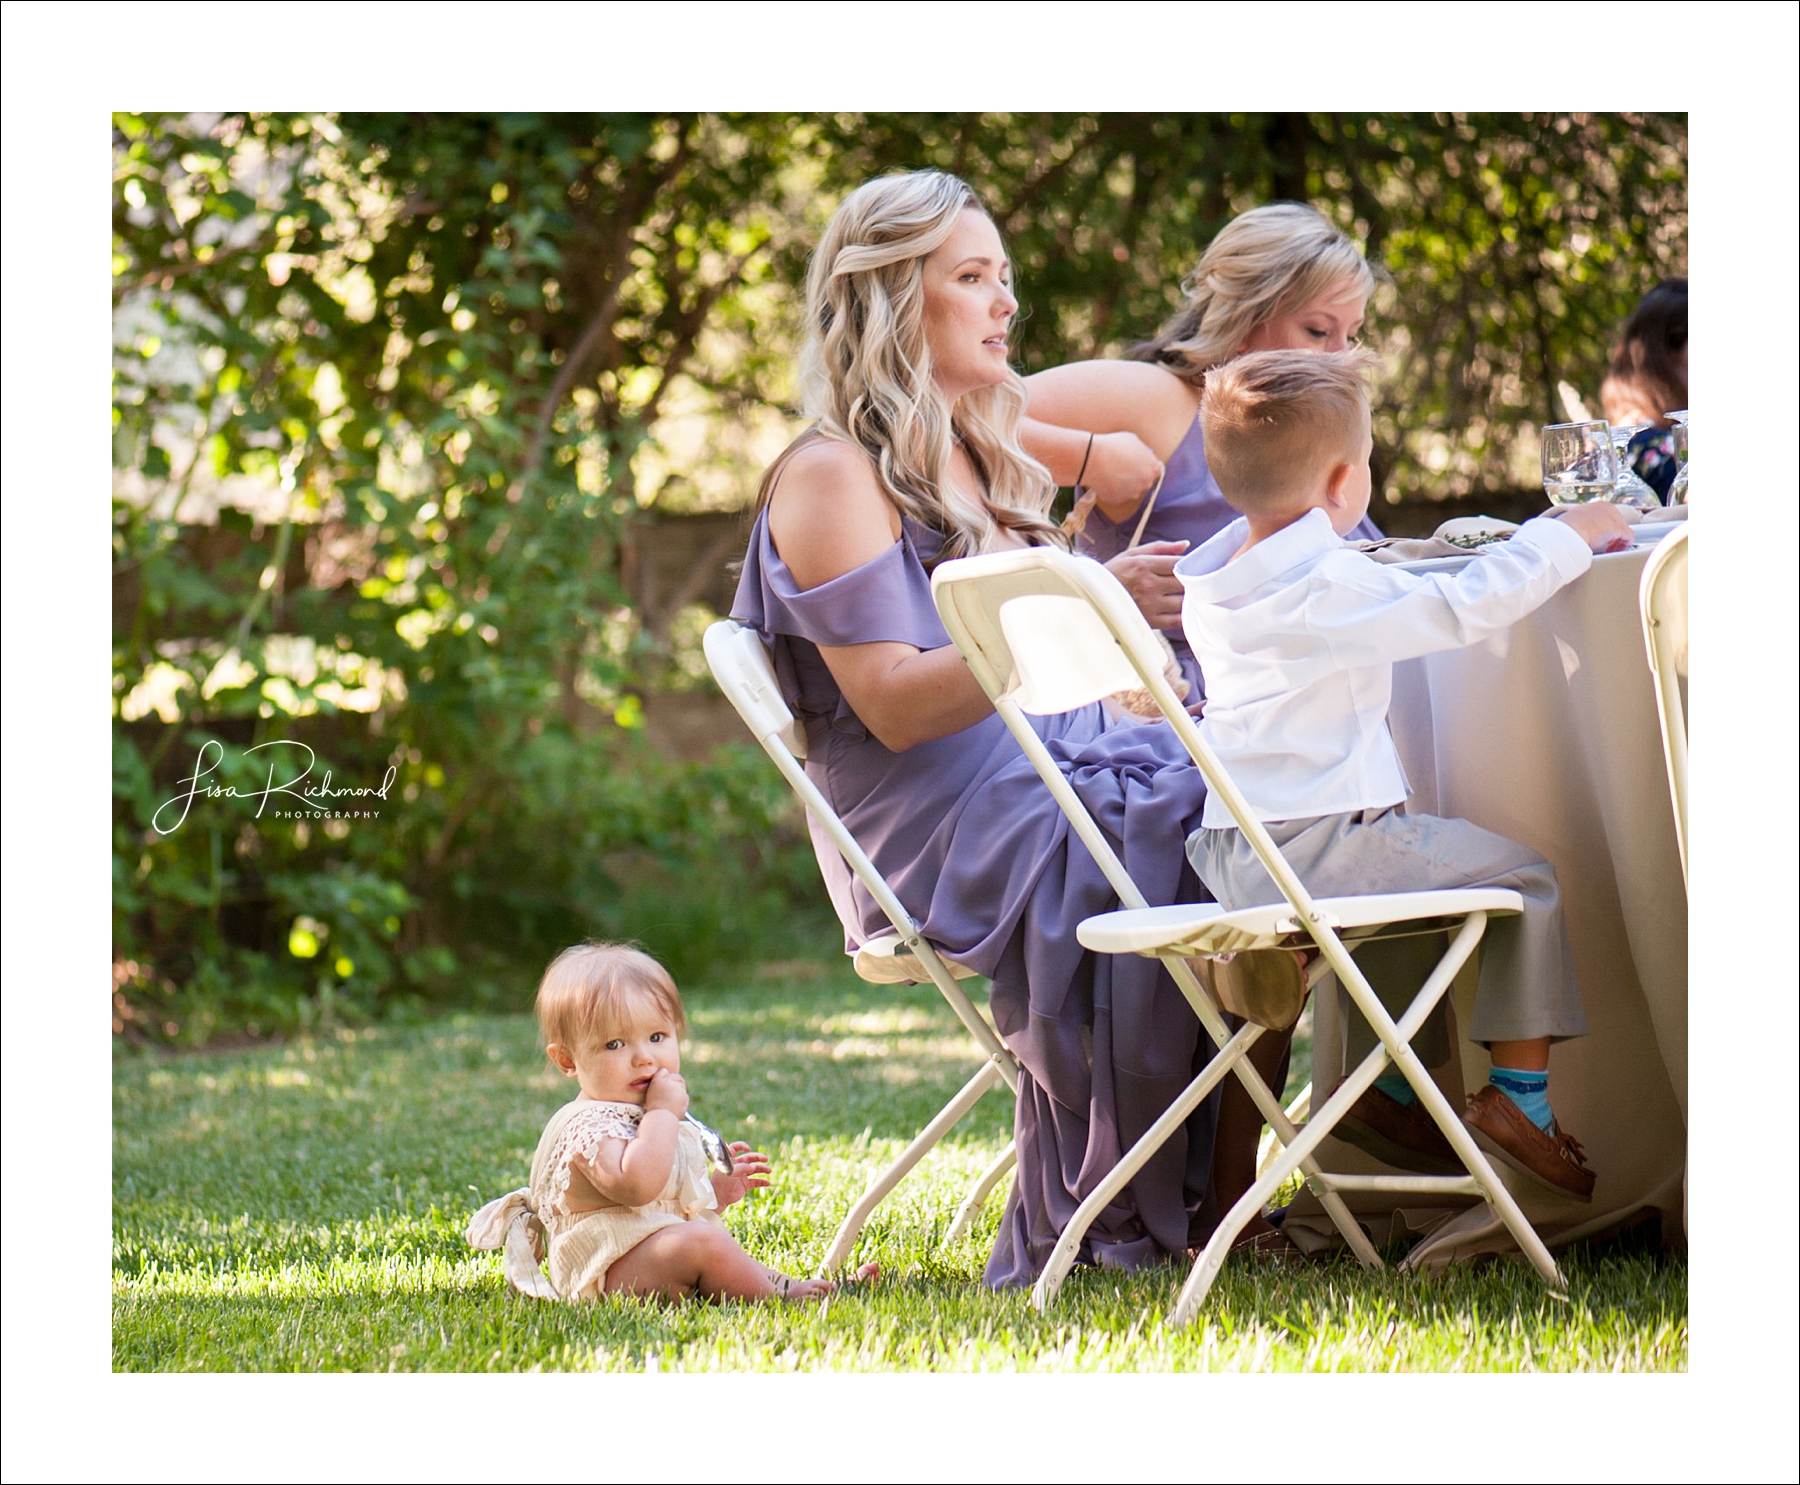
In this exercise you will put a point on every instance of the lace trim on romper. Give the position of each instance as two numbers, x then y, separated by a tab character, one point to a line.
583	1135
584	1245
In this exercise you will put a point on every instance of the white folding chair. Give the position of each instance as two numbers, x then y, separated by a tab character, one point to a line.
1029	661
1045	632
1662	601
740	665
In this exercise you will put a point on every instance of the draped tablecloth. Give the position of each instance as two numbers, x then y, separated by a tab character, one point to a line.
1548	733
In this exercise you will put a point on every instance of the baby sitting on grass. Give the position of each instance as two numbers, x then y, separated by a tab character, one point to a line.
621	1182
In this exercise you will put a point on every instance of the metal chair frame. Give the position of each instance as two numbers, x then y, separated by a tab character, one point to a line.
1078	637
740	664
1662	603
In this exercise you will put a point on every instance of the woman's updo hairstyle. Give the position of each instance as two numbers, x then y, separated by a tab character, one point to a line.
866	374
1266	263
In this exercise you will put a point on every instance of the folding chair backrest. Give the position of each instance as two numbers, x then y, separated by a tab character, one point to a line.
1663	601
741	666
1663	605
1045	632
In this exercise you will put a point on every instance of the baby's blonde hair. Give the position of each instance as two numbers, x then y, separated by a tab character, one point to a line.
596	987
1275	420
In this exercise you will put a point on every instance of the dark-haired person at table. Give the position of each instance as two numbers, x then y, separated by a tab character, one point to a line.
1278	277
1647	380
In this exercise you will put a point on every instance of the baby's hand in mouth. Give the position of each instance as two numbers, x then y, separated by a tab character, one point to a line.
665	1090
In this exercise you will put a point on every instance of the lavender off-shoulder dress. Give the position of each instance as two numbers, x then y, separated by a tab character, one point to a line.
977	849
1190	507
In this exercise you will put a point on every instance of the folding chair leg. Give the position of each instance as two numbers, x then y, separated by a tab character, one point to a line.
1271	1144
1299	1150
1396	1042
1267	1104
1395	1046
845	1241
1062	1256
1498	1197
978	1193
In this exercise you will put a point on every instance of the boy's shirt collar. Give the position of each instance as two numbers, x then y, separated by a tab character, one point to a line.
1209	573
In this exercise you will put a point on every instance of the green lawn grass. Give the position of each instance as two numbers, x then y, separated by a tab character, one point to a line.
301	1207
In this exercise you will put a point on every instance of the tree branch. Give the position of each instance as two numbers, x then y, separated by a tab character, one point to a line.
722	545
183	269
629	211
688	329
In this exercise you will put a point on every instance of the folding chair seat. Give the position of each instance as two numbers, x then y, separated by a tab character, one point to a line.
740	664
1045	632
1662	602
887	961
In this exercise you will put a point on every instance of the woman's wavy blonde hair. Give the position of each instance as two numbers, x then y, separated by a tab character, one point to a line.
866	372
1268	262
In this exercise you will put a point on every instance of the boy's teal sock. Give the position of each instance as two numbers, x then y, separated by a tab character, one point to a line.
1393	1083
1529	1090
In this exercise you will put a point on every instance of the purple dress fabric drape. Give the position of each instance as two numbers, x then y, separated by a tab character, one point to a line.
975	846
1191	508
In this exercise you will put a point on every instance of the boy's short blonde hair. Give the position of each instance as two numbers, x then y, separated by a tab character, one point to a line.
596	987
1274	421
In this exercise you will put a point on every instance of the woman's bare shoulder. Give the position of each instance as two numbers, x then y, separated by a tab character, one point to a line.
827	512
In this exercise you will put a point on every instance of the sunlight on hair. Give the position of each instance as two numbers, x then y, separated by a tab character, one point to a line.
597	987
866	370
1274	420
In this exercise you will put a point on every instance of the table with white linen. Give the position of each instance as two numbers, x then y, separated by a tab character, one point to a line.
1547	733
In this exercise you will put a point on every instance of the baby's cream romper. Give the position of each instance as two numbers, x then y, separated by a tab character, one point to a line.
584	1245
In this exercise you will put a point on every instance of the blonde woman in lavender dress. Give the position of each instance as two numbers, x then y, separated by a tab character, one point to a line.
914	458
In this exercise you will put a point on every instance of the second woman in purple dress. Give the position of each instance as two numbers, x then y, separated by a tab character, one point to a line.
1276	278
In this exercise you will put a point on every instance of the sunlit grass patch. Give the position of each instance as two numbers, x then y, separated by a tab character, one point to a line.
301	1207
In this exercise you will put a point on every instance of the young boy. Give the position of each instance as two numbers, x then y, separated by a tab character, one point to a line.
1296	634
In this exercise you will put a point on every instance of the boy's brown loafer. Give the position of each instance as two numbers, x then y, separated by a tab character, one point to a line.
1556	1160
1398	1135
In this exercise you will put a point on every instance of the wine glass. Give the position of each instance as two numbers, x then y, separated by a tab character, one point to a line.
1678	489
1628	489
1579	463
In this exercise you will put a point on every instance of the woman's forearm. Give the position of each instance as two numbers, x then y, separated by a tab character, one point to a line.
1116	467
1060	450
906	696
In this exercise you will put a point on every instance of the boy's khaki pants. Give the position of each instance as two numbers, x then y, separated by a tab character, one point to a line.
1527	987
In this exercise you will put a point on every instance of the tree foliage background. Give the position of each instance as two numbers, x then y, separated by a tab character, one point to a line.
395	396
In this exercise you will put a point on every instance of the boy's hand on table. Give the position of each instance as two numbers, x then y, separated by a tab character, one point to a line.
1599	523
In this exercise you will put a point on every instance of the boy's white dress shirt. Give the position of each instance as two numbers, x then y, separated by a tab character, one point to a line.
1297	640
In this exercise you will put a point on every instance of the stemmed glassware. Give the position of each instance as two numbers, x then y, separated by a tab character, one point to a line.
1579	463
1628	489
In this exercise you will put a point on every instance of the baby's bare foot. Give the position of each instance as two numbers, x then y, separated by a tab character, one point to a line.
801	1290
